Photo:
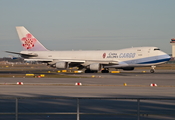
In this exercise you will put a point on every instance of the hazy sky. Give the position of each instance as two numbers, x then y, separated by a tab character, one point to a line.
88	24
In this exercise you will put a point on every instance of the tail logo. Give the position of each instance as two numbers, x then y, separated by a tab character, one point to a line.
28	41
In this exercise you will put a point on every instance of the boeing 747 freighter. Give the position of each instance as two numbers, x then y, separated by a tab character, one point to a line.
91	60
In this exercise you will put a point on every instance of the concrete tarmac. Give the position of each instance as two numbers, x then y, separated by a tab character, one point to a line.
101	85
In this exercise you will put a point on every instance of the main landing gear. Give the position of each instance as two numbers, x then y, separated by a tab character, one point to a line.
95	71
105	70
152	70
90	71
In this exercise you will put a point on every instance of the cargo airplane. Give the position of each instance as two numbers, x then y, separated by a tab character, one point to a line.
90	60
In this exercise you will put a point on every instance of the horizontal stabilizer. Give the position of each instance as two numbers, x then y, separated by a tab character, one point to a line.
22	54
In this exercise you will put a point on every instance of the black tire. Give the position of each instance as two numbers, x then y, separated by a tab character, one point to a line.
152	71
94	71
87	71
105	71
90	71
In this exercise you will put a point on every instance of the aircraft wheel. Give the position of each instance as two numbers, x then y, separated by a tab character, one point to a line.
90	71
152	71
105	71
87	71
94	71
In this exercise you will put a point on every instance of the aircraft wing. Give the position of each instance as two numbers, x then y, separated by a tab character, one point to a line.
103	61
69	60
24	55
51	60
120	64
40	60
74	61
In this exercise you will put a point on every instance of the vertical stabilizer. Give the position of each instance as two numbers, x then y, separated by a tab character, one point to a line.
28	41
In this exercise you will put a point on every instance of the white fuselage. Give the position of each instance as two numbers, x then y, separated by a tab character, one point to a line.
138	56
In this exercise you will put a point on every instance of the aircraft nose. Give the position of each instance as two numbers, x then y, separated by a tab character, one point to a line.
167	57
164	57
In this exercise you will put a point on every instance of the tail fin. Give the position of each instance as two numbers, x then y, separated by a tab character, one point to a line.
28	41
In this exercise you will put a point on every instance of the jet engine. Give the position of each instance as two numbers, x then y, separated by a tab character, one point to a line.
61	65
95	66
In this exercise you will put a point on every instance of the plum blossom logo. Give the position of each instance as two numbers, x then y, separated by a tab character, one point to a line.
28	41
104	55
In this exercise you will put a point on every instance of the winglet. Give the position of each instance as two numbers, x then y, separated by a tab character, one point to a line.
28	41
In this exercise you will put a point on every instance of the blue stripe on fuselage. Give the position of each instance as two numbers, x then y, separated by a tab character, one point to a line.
155	61
150	60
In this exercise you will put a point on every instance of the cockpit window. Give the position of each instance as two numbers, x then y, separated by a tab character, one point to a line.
156	49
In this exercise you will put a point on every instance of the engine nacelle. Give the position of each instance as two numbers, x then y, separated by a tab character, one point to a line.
128	68
61	65
95	66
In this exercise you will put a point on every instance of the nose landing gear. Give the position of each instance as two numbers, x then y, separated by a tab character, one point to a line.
152	70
